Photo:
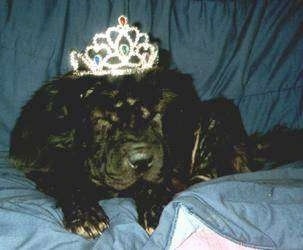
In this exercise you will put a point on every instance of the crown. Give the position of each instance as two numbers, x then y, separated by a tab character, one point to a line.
121	50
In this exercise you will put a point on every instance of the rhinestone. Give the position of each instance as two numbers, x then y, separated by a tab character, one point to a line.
97	59
122	20
124	49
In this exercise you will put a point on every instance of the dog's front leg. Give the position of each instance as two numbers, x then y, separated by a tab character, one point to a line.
150	202
82	214
76	195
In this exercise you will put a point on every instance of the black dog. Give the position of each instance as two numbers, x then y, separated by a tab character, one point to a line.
148	136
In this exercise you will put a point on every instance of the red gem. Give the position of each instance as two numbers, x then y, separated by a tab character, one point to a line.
122	20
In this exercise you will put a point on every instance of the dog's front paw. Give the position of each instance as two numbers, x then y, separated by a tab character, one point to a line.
149	218
89	222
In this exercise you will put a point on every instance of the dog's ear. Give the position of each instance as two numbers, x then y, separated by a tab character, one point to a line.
158	123
166	98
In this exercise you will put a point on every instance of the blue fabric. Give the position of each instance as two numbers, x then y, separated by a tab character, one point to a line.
249	51
262	210
30	219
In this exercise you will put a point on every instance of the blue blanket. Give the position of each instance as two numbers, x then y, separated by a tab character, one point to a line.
262	210
248	51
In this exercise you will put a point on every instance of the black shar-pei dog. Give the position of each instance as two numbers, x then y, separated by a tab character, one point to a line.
146	136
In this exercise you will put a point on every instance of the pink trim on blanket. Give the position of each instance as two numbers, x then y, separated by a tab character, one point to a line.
207	239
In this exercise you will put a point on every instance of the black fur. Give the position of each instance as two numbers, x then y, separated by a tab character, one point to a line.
82	139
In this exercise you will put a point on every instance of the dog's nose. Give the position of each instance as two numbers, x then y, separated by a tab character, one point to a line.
140	161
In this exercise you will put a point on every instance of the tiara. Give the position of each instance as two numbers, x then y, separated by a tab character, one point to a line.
120	50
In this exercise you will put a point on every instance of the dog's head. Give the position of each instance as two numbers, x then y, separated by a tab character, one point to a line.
128	118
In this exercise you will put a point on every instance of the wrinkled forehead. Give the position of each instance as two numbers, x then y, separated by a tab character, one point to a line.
127	103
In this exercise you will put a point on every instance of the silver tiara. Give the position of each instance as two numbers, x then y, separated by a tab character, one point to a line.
120	50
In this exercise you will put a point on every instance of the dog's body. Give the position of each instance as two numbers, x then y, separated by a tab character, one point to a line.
82	139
